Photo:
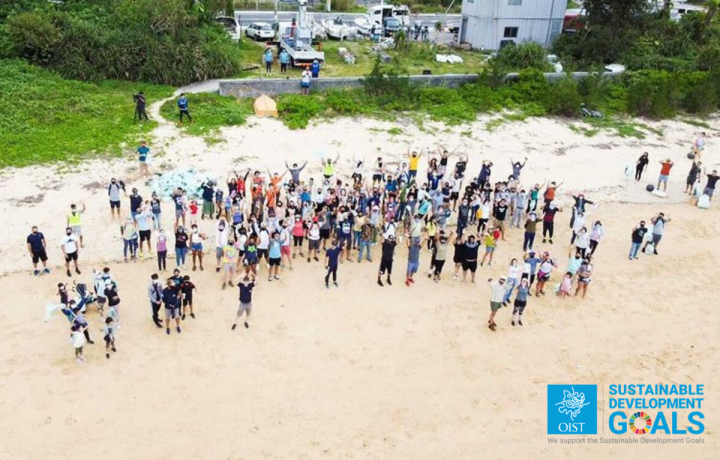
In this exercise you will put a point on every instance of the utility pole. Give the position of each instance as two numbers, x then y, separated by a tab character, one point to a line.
327	6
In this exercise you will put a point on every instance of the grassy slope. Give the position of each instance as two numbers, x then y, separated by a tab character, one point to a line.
47	119
209	112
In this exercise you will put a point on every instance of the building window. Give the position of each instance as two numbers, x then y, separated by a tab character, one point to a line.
515	2
510	32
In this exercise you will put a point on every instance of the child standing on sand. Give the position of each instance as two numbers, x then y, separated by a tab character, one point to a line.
566	286
77	338
109	336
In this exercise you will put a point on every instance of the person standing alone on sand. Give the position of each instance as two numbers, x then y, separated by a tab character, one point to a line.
386	260
245	285
666	166
70	250
641	165
37	248
143	153
523	291
114	196
332	256
497	292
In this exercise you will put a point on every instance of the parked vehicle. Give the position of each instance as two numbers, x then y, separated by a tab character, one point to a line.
391	26
297	39
231	26
337	29
260	31
376	14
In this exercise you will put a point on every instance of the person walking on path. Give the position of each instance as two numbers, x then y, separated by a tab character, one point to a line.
497	292
246	284
184	107
38	250
140	102
332	257
155	296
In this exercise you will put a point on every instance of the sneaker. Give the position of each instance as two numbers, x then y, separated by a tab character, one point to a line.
380	283
46	271
194	268
69	274
178	329
407	283
336	285
233	327
520	322
182	317
389	282
192	315
327	286
412	280
36	272
202	269
276	277
544	240
269	278
247	326
551	242
231	284
217	270
455	277
167	331
512	322
107	355
91	342
224	285
77	270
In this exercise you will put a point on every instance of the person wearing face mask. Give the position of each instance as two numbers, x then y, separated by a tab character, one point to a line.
519	205
584	277
196	245
658	230
155	296
583	241
37	249
574	264
512	280
637	237
521	296
161	248
275	256
114	195
74	221
413	162
596	233
530	231
470	258
156	209
136	202
130	239
439	257
517	168
463	216
181	246
485	172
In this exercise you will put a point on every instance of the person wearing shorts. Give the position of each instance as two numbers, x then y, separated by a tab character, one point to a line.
470	256
314	236
114	196
275	257
414	246
246	284
172	298
497	293
523	291
584	277
37	249
70	250
666	166
440	250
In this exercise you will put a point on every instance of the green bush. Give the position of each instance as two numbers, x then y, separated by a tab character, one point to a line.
564	98
155	41
652	94
530	55
698	93
297	110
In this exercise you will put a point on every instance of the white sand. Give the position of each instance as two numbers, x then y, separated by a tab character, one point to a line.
359	371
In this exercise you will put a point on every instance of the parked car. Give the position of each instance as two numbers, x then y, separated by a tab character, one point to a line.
391	26
260	31
231	26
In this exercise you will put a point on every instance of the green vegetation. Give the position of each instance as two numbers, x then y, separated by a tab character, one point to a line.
153	41
416	58
47	119
210	112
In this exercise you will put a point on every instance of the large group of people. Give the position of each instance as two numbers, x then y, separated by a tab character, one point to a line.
264	223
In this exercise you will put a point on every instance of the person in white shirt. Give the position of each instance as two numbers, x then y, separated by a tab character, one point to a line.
77	338
597	232
221	239
497	294
305	82
512	281
285	240
144	220
699	146
69	247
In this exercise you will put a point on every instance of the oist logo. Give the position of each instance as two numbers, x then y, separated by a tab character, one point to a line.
572	409
572	403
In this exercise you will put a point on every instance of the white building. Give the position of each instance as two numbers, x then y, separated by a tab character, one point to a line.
491	24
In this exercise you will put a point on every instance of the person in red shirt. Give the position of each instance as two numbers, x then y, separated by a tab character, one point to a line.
664	173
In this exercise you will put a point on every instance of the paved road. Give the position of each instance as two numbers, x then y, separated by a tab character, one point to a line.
247	17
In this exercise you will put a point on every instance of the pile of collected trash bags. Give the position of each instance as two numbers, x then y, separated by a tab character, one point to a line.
188	179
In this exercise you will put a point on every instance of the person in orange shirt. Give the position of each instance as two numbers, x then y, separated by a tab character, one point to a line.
271	195
550	191
275	179
664	173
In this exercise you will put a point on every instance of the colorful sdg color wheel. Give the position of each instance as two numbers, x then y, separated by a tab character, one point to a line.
642	416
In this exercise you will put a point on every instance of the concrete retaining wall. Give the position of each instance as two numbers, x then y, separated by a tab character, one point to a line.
254	87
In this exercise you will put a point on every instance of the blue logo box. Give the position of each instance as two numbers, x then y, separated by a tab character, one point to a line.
572	409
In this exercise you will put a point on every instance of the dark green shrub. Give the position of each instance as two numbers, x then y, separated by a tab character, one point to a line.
652	94
698	93
529	55
564	98
348	102
297	110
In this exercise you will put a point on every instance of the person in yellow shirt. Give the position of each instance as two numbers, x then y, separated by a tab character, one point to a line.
74	221
413	161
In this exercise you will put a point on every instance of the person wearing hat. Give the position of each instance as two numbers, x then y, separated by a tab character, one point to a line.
386	261
74	221
497	293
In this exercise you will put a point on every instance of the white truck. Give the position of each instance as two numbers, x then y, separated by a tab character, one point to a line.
297	39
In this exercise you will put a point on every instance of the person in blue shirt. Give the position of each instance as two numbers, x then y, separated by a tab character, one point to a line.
315	69
143	151
284	59
275	256
245	285
183	106
268	60
332	258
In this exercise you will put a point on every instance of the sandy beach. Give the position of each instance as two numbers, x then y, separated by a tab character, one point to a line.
358	371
